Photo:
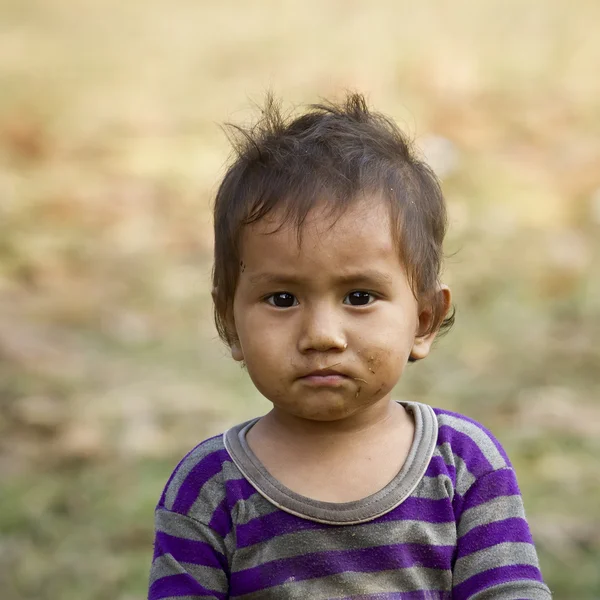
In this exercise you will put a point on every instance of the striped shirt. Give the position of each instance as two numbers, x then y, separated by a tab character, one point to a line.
450	525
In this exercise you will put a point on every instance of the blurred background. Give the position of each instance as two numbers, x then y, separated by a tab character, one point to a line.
110	154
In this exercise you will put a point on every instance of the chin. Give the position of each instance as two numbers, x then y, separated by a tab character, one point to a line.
324	417
323	411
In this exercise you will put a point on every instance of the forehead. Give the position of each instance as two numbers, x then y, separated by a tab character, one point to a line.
361	233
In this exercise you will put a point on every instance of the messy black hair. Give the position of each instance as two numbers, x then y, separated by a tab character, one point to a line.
340	153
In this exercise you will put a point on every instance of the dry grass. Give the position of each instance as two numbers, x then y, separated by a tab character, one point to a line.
109	154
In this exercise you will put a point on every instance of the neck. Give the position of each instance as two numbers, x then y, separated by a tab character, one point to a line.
374	419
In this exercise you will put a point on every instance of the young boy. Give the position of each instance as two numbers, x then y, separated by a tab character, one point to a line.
328	247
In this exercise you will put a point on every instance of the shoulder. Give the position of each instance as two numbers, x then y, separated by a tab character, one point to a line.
198	481
466	443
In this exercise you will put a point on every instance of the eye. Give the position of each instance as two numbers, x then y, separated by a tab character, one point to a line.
359	298
282	300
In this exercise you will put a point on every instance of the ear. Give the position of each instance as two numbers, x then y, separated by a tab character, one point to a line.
235	346
236	351
422	343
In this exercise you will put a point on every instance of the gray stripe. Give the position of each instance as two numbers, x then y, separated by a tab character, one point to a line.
345	538
209	577
243	510
500	555
434	488
211	495
253	508
189	529
178	525
189	462
464	478
532	590
358	584
479	437
494	510
194	597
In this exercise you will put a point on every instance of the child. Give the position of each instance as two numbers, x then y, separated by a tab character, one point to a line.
328	247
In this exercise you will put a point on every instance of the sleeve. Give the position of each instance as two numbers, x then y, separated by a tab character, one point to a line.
496	558
189	560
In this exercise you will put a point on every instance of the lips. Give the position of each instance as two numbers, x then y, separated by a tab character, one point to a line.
324	378
325	373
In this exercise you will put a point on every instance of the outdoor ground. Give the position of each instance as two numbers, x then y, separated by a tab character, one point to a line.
110	152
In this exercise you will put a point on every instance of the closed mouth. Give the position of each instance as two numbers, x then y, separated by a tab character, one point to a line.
325	373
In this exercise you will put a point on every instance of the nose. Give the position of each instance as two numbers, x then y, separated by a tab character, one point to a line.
322	330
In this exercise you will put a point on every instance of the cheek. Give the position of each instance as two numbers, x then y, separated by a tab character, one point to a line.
265	353
384	360
252	330
388	344
374	360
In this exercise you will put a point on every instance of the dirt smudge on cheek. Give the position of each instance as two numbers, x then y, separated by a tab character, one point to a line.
373	360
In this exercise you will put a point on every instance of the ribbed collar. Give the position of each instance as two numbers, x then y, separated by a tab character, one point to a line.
340	513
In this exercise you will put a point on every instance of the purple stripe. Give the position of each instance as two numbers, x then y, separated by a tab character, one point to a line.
175	586
161	503
204	470
415	595
189	551
324	564
421	509
221	521
277	523
487	579
238	489
272	525
496	484
439	411
490	534
471	454
457	503
437	466
235	490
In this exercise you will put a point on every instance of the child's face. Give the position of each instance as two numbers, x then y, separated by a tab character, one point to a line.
340	301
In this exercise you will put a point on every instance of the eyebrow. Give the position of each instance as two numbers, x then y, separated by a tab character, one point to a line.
367	277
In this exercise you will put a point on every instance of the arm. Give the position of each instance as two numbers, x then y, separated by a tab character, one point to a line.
189	560
496	558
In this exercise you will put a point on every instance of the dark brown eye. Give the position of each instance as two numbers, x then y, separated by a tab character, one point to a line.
282	300
358	298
